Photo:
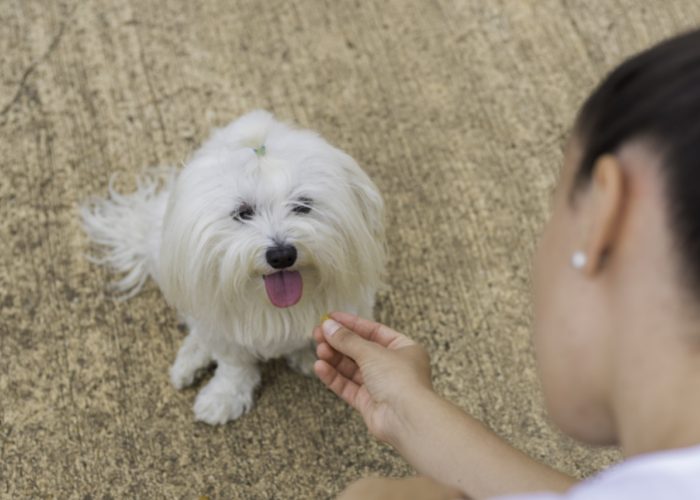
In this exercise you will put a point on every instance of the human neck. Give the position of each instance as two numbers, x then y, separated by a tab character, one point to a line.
654	340
656	401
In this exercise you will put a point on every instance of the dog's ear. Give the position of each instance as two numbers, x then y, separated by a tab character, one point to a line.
367	196
182	266
368	241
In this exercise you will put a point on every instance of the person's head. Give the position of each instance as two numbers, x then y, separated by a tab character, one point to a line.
617	273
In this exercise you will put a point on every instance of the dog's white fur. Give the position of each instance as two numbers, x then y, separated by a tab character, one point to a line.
178	229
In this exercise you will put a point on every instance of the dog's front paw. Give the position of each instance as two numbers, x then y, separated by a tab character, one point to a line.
217	405
182	376
192	359
229	394
302	361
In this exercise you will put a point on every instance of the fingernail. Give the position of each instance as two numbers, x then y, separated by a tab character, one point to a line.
324	318
330	327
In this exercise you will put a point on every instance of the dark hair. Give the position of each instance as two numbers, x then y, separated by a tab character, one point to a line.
655	95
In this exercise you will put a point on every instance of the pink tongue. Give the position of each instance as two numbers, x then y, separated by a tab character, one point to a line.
283	288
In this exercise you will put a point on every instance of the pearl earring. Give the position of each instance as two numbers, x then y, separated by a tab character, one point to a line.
578	260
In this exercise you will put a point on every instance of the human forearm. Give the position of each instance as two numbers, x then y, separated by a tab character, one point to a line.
385	376
443	442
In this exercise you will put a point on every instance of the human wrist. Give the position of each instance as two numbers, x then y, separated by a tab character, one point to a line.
408	412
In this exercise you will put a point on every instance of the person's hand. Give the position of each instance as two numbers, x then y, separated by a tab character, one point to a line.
380	488
375	369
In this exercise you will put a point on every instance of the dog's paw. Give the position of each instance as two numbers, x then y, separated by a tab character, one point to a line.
302	361
190	362
183	375
216	406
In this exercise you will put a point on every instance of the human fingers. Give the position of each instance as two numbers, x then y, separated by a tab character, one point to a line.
345	341
343	364
325	352
318	334
344	388
371	330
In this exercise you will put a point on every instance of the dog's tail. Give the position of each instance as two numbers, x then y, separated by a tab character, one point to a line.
129	227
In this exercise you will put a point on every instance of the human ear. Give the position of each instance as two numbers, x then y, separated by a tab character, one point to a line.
606	207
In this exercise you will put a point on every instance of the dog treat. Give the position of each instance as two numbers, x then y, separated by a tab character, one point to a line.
324	318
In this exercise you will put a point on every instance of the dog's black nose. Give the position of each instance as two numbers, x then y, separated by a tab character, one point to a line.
281	256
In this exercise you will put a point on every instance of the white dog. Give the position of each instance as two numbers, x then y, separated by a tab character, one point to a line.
264	230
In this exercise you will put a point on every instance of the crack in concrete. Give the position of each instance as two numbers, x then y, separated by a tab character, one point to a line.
22	86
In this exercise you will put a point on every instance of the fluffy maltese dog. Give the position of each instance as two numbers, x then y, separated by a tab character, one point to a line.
265	229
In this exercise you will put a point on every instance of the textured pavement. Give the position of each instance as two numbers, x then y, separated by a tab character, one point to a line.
457	109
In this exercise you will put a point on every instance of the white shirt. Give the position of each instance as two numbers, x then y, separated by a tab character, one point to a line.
671	475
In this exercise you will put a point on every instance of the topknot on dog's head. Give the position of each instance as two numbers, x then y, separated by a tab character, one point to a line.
251	130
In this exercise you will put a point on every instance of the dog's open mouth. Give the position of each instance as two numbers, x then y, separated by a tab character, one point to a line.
284	288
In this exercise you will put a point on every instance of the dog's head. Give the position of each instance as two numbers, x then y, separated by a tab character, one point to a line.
265	212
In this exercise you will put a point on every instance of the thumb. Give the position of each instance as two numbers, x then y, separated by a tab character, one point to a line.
344	340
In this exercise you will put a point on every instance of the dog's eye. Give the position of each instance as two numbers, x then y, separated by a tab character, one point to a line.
302	206
243	212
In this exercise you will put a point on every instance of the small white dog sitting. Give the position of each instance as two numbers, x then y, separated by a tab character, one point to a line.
264	230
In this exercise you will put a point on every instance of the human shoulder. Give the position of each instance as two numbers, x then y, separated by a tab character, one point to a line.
667	474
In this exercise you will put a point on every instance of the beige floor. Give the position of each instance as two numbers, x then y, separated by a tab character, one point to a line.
458	110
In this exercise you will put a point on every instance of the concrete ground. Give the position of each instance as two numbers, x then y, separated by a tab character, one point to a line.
457	109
